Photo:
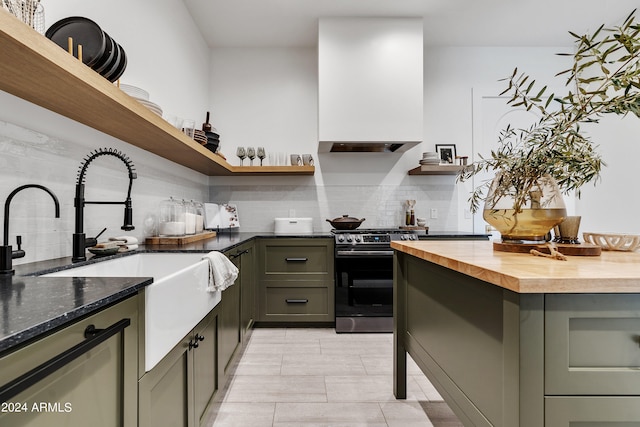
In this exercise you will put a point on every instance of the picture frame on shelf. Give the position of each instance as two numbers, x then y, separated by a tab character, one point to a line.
447	153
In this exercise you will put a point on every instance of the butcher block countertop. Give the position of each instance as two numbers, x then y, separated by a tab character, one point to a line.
611	272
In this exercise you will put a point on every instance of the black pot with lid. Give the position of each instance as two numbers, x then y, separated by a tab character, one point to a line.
345	222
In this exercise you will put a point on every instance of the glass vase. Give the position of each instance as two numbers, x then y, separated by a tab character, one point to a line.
542	208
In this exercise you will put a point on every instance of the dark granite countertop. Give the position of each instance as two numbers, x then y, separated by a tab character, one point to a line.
33	306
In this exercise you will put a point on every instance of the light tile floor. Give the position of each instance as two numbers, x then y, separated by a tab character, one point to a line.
315	377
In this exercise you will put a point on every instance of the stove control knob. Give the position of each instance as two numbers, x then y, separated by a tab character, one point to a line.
403	237
341	238
349	238
412	237
358	238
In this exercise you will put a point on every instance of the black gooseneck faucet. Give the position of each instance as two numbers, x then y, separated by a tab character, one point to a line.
6	251
80	241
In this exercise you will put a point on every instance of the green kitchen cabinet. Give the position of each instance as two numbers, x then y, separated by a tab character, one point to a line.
589	411
502	358
178	390
99	385
238	308
295	280
592	344
229	333
243	257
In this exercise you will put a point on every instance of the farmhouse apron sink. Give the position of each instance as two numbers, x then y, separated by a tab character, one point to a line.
174	303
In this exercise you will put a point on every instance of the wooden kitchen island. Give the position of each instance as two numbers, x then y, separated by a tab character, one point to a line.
516	340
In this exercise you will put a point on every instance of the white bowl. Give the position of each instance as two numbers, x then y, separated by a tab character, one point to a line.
613	241
134	91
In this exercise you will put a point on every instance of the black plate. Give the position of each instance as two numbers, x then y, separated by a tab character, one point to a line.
111	66
83	31
117	71
110	52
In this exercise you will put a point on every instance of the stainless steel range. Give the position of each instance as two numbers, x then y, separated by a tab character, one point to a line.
364	278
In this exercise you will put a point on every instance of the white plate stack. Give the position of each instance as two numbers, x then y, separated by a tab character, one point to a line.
142	96
430	158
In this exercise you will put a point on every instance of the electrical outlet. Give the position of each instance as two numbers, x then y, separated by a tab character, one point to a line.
434	213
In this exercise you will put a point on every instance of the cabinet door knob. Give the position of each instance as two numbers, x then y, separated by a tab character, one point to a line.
199	337
193	344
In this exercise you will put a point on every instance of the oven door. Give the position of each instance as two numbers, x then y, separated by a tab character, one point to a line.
364	290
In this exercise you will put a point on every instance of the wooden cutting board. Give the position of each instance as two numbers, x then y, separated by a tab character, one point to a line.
579	249
182	240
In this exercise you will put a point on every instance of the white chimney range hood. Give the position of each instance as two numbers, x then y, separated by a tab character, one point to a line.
370	84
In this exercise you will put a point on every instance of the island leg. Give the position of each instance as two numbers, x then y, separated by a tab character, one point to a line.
399	330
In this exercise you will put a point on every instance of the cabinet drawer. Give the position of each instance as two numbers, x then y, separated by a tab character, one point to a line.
592	344
100	380
290	259
602	411
297	300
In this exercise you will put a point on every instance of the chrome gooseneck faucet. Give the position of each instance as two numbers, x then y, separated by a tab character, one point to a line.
6	251
80	241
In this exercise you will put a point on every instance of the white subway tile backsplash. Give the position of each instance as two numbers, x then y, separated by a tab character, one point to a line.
380	205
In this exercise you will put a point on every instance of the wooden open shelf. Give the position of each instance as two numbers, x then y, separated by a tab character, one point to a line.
37	70
273	170
436	170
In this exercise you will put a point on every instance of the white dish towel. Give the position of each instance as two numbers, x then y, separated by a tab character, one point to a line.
222	272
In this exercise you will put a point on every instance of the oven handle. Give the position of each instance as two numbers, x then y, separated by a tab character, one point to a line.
364	253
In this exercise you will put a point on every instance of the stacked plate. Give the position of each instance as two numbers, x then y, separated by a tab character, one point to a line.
99	50
200	136
142	96
430	158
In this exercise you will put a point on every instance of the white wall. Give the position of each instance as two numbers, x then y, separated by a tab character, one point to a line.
612	205
167	57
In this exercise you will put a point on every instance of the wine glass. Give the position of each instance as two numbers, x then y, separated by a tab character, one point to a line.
240	152
261	154
251	154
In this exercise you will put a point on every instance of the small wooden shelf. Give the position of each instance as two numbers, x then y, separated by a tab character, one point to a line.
273	170
436	170
39	71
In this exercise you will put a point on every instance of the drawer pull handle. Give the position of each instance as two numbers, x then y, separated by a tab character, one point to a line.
93	338
194	342
237	254
297	301
296	259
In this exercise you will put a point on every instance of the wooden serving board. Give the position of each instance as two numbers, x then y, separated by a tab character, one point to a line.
182	240
412	227
579	249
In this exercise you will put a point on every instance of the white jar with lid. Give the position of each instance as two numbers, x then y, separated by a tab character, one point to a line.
171	222
199	216
189	217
